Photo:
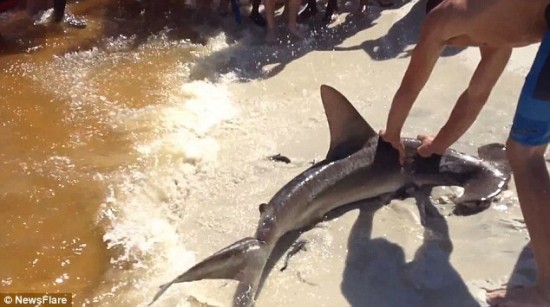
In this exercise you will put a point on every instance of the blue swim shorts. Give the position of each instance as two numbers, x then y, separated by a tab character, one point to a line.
531	125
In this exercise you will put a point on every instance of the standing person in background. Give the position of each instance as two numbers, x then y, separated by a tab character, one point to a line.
6	5
255	15
224	10
32	7
292	8
495	26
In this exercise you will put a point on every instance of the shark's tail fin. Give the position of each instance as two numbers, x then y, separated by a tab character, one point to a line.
491	180
243	260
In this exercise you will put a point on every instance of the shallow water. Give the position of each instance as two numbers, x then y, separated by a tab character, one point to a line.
136	146
93	142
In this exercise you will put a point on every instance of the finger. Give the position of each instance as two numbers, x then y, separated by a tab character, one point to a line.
401	150
424	151
426	154
422	137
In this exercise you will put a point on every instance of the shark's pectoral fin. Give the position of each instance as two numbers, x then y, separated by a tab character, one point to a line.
496	154
482	188
487	183
493	152
243	260
348	130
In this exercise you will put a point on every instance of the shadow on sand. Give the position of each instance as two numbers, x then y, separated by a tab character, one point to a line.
251	58
247	55
136	21
376	272
524	273
402	35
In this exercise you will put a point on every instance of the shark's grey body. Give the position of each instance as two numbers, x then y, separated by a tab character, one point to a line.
358	166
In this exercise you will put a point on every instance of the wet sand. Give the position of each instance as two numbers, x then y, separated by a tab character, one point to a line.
151	151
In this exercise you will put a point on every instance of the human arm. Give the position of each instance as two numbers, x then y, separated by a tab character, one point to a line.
471	101
423	59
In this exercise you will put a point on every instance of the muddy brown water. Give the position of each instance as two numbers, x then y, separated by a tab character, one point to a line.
57	87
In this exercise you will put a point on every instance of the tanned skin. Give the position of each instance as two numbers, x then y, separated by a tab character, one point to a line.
495	27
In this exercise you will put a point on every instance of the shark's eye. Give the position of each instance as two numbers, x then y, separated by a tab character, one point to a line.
262	207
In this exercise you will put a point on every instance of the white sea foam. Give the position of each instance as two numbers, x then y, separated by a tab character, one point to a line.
172	139
169	140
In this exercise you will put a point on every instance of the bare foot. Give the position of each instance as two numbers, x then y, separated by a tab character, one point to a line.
258	19
517	297
295	32
271	37
224	8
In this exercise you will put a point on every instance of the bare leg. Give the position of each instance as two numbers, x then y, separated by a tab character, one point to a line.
59	10
270	16
332	6
203	8
533	188
285	10
223	9
293	7
34	6
61	14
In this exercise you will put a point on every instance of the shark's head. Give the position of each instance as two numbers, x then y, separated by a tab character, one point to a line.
484	177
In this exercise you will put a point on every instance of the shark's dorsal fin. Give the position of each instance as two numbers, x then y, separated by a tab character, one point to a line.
348	129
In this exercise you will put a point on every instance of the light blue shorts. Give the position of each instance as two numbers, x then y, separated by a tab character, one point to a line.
531	125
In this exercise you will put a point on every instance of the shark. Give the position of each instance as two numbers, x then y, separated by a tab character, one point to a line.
358	166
